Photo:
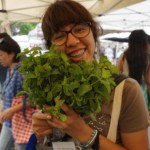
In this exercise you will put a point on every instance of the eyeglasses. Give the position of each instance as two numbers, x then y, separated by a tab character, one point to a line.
79	31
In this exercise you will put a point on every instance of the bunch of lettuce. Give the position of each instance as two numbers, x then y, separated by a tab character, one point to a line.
51	80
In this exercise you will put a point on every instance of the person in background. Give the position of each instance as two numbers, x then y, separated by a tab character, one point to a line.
135	61
75	32
3	71
12	105
120	51
110	54
148	43
149	84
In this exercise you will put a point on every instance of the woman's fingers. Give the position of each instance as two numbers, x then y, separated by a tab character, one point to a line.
51	121
57	123
42	116
39	119
42	132
40	125
69	111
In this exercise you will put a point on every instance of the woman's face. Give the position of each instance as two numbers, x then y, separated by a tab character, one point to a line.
6	59
76	48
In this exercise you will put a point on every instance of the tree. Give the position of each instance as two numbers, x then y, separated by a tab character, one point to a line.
22	28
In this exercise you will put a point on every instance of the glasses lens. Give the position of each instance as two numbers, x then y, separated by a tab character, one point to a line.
81	30
59	38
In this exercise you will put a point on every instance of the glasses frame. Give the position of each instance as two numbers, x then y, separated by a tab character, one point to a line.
71	31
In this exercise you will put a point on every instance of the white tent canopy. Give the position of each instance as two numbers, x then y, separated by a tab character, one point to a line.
32	10
133	17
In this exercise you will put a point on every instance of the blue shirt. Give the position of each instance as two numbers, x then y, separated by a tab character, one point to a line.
3	71
12	85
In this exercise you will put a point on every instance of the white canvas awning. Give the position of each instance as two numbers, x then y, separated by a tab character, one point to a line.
32	10
129	18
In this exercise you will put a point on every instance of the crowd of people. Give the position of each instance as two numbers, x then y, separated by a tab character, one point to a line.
76	33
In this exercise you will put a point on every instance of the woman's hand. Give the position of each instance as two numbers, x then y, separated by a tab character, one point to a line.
1	116
40	124
7	114
74	126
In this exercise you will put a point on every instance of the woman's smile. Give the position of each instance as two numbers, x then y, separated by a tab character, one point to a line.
77	54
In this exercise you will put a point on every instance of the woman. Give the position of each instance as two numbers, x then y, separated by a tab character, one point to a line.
75	32
135	61
9	50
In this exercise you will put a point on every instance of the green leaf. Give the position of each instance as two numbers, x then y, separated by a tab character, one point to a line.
106	73
56	89
84	88
64	57
66	89
49	96
21	93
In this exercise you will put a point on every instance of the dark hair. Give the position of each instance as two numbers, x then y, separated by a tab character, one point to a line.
149	39
136	54
62	13
8	45
2	35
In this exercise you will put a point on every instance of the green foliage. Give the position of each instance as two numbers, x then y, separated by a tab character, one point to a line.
22	28
50	79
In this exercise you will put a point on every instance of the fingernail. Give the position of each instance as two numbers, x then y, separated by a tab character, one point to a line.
49	117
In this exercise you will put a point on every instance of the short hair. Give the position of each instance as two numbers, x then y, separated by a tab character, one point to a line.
2	35
8	45
62	13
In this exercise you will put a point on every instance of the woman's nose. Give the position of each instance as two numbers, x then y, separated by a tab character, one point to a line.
72	40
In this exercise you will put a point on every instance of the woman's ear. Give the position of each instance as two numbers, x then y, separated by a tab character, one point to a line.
12	55
120	63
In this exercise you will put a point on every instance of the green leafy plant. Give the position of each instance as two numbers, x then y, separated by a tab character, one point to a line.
51	79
